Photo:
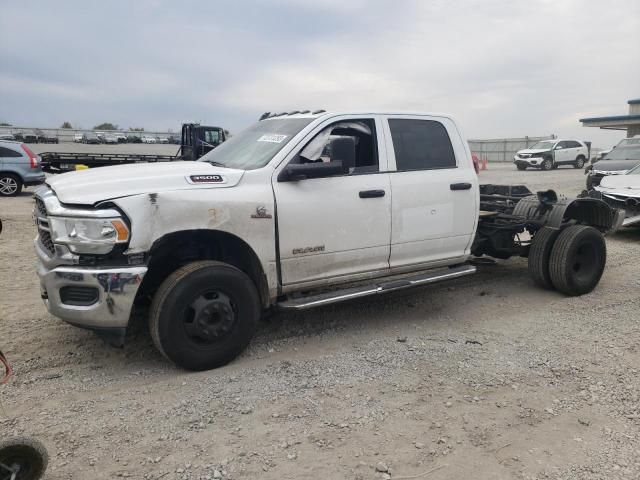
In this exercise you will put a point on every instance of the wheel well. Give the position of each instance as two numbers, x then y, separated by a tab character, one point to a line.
174	250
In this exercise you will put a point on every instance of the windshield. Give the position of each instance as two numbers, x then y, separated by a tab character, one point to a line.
623	153
634	171
546	144
212	137
629	141
255	147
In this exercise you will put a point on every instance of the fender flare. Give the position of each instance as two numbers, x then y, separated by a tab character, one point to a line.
587	211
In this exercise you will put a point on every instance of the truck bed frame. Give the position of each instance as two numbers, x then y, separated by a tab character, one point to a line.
54	162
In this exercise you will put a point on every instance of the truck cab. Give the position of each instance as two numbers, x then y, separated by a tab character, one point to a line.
198	140
296	211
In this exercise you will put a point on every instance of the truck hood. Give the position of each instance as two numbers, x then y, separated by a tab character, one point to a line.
626	185
87	187
534	150
614	165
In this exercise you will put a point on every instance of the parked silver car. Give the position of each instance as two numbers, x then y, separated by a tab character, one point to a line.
19	167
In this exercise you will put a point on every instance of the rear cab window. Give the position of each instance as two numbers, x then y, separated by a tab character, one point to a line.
421	144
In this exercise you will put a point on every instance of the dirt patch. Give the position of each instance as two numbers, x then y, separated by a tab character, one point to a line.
483	377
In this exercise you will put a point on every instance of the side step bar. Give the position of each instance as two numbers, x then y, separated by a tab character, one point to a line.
336	296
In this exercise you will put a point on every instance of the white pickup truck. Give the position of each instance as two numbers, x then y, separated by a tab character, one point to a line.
299	210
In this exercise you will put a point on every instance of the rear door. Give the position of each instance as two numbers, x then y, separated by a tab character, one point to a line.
562	152
434	191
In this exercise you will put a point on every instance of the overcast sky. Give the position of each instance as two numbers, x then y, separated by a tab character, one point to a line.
504	68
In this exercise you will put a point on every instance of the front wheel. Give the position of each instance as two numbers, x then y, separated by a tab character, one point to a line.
22	459
520	166
579	162
547	164
204	314
577	260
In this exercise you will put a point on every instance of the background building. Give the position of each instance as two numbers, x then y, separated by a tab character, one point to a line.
630	122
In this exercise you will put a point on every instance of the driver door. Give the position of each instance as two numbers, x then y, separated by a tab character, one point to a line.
339	225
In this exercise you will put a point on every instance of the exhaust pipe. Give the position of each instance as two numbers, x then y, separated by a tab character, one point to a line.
631	202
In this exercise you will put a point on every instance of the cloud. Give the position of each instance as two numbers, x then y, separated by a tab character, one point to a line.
503	68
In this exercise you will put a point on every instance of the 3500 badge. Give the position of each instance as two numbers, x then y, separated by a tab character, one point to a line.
205	179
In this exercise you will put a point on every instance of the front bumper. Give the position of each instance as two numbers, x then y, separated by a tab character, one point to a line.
529	162
115	290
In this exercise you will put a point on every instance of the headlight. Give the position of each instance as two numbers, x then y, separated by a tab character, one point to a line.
88	235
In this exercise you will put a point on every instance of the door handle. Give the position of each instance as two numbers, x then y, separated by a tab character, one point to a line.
460	186
371	193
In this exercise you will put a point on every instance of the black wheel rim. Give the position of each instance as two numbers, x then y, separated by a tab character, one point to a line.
585	262
209	318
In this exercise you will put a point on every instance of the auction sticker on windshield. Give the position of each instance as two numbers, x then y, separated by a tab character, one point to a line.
272	138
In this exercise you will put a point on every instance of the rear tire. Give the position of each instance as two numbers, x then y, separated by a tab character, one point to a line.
204	314
10	185
577	260
579	162
547	164
539	255
26	453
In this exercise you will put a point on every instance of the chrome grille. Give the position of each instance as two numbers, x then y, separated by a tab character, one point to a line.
40	208
45	241
44	232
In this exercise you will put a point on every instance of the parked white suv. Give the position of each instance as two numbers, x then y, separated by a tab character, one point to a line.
548	154
147	139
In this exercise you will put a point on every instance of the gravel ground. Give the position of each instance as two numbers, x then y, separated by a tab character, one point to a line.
483	377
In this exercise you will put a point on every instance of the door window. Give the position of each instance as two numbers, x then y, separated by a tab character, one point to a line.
421	145
352	142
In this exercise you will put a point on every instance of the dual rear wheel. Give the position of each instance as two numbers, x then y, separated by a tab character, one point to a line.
570	260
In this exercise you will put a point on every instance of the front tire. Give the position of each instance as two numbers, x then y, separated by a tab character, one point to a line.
577	260
520	166
547	164
204	314
27	455
579	162
10	185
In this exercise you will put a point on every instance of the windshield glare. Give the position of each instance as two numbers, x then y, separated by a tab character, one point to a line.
256	146
624	153
546	144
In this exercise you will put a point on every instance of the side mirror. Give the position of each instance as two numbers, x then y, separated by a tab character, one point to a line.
301	171
558	147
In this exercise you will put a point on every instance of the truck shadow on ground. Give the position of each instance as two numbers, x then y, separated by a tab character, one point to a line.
376	315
